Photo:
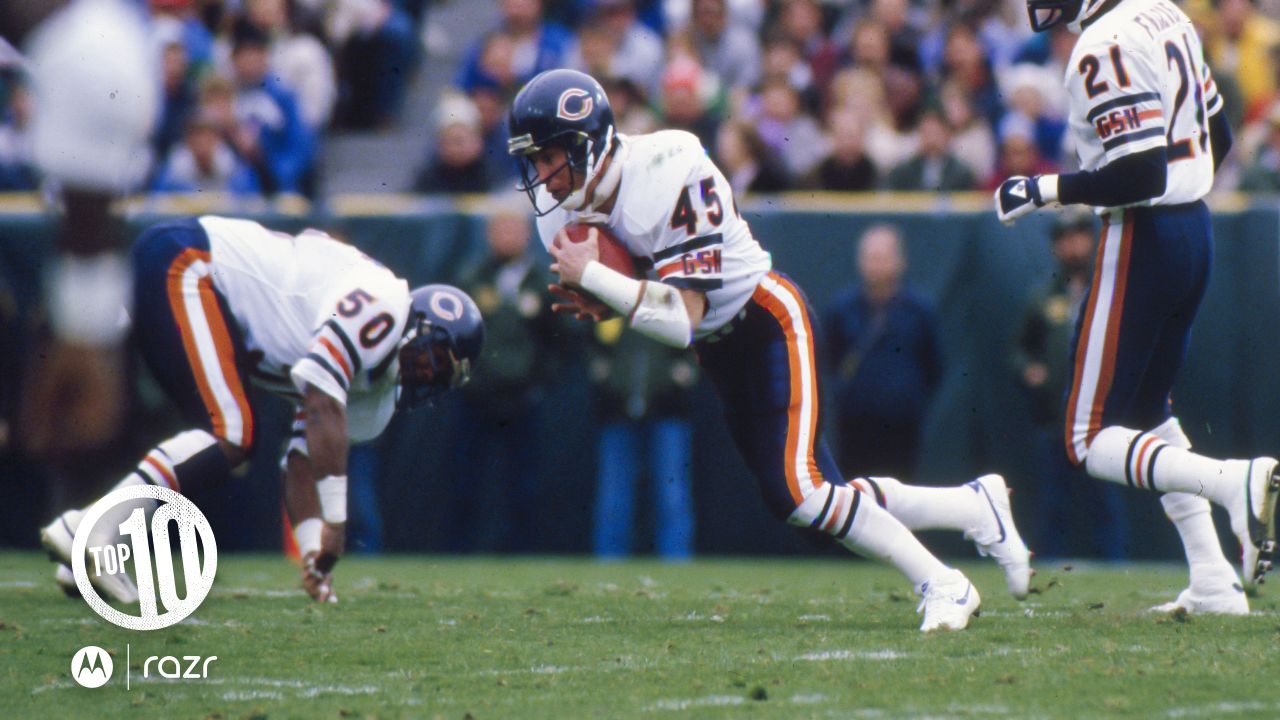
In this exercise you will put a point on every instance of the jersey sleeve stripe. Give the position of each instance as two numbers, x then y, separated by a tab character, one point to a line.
697	243
347	345
1123	101
1132	137
346	369
328	367
689	283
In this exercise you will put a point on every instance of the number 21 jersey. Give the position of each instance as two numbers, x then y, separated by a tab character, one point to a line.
1137	80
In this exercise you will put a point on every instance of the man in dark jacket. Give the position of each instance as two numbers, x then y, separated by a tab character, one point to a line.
883	342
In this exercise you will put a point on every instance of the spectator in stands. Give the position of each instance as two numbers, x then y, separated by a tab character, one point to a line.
862	92
379	50
634	51
458	164
1023	86
747	14
1238	43
973	142
180	19
801	22
1262	171
536	45
728	50
783	61
630	112
17	169
933	167
179	97
747	163
847	168
270	134
684	100
870	46
643	405
299	60
1019	154
204	162
494	498
965	62
904	38
1042	348
789	131
883	345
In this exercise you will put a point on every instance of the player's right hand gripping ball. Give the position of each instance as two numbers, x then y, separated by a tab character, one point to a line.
1017	196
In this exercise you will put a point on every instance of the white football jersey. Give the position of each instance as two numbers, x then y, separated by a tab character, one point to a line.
313	311
1137	80
675	212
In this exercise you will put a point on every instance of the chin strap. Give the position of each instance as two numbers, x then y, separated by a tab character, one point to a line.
577	200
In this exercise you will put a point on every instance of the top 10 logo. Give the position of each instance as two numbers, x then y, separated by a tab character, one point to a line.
97	561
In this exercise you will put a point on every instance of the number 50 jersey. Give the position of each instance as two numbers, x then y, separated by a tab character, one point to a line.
313	311
1137	80
676	214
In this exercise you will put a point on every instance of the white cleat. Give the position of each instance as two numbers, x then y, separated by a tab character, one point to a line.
58	537
66	580
1229	600
949	600
1254	523
1000	538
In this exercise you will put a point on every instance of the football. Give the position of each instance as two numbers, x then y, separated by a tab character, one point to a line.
613	253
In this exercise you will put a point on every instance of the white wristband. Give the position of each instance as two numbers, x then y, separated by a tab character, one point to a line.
333	498
612	287
307	535
1048	187
88	298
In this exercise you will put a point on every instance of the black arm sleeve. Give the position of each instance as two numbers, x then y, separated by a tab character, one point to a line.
1132	178
1219	137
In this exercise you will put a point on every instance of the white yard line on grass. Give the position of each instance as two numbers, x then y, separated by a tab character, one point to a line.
1222	708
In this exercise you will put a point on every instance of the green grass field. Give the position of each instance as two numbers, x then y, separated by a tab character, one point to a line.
546	638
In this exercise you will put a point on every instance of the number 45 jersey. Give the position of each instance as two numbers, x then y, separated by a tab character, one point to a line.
312	311
1137	80
676	214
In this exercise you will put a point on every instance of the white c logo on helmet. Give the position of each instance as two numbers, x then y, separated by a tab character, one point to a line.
446	305
585	106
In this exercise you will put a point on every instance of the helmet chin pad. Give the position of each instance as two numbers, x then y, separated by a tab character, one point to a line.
1047	14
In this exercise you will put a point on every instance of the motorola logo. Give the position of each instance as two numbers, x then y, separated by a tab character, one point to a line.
91	666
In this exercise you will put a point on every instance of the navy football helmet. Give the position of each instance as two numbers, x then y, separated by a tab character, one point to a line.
566	109
441	345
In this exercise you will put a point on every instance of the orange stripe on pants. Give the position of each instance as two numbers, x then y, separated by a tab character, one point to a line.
779	311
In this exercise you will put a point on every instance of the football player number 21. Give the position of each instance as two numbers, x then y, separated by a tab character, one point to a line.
1090	68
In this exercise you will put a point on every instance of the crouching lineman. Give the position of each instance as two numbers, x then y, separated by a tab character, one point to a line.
219	303
713	287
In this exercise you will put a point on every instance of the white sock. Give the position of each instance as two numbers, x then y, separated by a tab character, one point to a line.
1191	516
928	508
1146	460
880	536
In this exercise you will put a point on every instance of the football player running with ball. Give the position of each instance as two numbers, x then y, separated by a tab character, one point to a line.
222	303
712	286
1148	124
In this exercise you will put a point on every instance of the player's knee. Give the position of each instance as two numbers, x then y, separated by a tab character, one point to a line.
235	454
1108	451
828	509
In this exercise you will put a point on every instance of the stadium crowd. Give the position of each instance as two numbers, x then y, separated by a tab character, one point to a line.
842	95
